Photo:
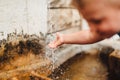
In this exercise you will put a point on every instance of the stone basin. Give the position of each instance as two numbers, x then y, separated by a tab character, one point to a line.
91	63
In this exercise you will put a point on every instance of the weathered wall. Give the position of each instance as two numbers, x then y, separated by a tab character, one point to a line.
29	15
62	16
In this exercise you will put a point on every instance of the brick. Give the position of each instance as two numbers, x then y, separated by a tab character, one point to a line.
59	19
59	3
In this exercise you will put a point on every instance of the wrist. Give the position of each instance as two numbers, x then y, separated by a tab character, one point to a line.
62	38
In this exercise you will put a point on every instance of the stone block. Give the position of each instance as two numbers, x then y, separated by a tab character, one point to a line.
60	19
59	3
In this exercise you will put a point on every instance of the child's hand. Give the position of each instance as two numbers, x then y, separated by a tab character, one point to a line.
57	42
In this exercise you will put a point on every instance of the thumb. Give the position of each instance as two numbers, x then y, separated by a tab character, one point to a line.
59	37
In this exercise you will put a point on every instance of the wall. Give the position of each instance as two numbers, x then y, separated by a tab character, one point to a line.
29	15
62	16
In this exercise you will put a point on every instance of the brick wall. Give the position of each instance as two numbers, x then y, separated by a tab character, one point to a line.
61	16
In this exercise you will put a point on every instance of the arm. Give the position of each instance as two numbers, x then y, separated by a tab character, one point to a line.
81	37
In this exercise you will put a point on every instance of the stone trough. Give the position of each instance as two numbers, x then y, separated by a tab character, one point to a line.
98	61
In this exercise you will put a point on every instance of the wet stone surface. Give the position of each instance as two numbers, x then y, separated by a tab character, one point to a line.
84	66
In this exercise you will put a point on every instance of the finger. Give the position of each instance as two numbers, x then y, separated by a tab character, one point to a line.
60	37
52	44
56	44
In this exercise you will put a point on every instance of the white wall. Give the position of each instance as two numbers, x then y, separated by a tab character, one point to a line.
31	15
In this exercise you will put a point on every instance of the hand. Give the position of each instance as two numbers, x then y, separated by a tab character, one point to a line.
57	42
